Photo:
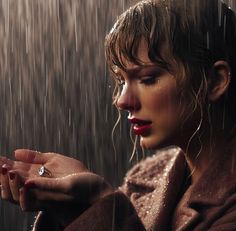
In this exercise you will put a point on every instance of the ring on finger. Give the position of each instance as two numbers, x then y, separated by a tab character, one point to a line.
44	172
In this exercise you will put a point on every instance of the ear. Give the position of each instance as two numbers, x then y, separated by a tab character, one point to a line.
219	80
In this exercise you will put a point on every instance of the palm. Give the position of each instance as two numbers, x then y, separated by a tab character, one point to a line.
70	185
61	166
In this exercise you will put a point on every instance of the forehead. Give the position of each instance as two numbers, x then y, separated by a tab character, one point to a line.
142	56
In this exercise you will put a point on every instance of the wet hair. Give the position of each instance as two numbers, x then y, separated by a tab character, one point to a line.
196	33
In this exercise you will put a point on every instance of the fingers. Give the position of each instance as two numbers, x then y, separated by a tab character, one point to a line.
16	181
5	187
28	168
83	187
14	185
49	184
4	160
39	200
11	181
25	199
43	193
30	156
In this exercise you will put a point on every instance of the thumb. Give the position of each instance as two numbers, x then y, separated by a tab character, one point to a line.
30	156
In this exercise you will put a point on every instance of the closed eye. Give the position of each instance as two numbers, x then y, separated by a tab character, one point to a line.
148	80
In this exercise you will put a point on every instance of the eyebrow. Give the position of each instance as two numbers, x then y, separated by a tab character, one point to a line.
135	69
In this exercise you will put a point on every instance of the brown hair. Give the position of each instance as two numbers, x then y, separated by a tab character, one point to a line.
197	33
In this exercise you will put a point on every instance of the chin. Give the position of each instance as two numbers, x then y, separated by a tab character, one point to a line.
149	143
153	143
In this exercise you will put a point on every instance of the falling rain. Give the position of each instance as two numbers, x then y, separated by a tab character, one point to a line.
55	88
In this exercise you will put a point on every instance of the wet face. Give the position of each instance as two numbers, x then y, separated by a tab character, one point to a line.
150	94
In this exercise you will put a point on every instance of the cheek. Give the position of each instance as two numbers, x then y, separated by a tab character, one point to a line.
165	101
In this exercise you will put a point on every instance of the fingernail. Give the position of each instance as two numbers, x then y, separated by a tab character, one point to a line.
4	171
11	175
30	185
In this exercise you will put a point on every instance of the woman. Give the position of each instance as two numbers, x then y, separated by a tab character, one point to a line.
174	66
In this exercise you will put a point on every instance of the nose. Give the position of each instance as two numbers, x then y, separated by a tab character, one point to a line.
128	100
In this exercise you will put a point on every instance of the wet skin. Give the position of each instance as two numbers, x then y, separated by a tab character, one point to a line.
149	93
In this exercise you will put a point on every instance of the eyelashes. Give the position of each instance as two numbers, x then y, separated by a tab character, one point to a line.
148	80
145	77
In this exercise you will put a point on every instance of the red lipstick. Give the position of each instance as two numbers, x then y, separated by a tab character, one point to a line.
140	127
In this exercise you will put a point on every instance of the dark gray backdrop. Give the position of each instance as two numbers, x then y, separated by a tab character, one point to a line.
55	92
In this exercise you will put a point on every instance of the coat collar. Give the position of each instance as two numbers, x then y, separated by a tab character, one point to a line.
215	184
212	189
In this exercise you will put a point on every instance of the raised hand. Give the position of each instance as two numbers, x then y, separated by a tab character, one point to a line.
78	189
68	187
58	165
27	165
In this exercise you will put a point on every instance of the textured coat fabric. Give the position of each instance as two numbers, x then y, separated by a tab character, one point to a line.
158	195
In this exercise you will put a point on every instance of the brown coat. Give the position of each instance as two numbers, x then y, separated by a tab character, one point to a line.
160	191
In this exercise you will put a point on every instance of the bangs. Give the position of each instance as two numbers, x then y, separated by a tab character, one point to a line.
149	23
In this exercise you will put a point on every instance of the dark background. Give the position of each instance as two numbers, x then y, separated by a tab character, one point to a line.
55	90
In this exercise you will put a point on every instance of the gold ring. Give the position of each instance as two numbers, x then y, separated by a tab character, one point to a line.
44	172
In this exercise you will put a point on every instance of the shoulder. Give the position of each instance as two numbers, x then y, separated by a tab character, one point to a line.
147	172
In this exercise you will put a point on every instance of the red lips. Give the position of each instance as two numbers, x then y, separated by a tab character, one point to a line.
141	127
